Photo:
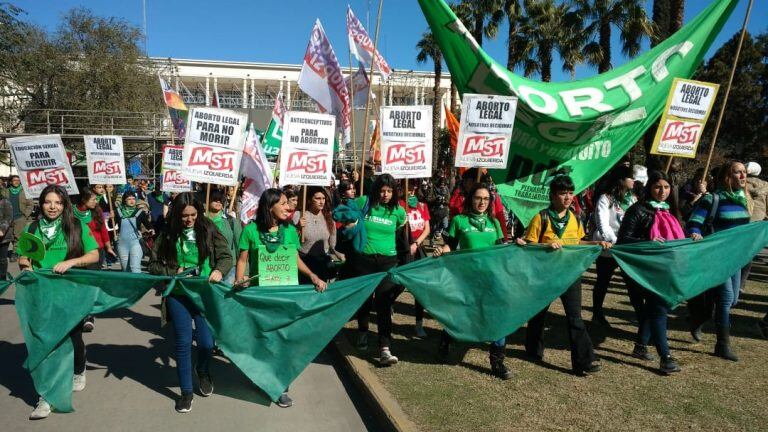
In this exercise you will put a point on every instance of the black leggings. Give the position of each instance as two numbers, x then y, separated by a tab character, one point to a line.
384	297
76	336
605	268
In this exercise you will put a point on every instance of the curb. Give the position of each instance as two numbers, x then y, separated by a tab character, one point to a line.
385	408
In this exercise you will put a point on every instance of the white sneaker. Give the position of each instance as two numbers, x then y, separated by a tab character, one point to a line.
420	333
386	358
78	382
41	411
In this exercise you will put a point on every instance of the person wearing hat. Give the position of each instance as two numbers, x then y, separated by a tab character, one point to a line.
130	218
229	226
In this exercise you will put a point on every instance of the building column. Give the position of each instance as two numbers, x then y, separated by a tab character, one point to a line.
208	91
390	94
216	90
288	97
253	93
244	93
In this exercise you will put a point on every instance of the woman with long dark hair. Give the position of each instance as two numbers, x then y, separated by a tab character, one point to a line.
68	243
655	217
318	235
270	230
383	218
726	208
130	218
190	241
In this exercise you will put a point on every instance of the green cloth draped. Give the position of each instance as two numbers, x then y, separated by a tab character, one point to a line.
273	333
50	306
484	294
681	269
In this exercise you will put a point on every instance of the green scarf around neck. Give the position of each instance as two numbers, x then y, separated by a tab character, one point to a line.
84	216
558	223
627	200
273	240
159	198
413	201
50	229
659	205
736	197
479	221
15	190
128	212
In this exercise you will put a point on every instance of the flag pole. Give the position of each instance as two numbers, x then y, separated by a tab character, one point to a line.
368	100
669	165
234	197
207	199
352	111
728	88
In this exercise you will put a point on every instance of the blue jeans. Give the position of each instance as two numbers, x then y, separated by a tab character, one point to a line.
651	314
229	278
182	312
130	253
727	296
501	343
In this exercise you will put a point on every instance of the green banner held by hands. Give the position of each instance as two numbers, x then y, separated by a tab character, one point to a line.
582	127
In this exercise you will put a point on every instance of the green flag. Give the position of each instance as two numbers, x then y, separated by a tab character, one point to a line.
583	127
679	270
272	138
482	295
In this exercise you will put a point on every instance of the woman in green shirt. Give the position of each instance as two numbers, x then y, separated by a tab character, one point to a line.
190	241
382	220
68	243
476	228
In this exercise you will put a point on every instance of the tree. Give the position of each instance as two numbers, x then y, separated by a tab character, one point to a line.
486	15
514	13
429	49
599	18
660	17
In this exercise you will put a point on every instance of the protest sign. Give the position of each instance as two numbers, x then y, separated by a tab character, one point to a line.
42	161
214	146
278	268
688	107
173	181
406	141
217	127
307	149
105	159
485	131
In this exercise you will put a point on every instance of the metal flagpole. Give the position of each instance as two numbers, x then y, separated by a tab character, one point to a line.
368	101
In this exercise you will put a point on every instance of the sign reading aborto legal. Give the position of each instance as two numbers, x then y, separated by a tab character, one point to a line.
688	107
42	161
307	149
485	131
105	158
406	141
214	146
173	181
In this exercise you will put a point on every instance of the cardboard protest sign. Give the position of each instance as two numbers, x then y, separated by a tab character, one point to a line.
105	159
41	161
307	149
688	107
485	131
173	181
278	268
214	146
406	141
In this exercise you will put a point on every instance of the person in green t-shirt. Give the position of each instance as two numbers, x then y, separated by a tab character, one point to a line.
269	230
475	228
190	241
68	243
383	219
229	226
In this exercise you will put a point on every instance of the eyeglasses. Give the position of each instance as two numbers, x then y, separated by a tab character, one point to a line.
481	199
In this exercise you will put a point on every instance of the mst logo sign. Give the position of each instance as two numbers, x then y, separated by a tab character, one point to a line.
401	153
302	161
214	160
108	168
681	133
56	176
174	177
485	146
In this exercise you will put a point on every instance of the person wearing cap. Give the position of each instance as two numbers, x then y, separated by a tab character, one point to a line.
228	224
130	218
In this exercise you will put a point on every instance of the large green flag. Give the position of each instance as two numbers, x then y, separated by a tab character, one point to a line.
482	295
679	270
273	333
50	305
272	138
583	127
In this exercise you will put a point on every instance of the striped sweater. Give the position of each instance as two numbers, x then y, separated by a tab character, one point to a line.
729	214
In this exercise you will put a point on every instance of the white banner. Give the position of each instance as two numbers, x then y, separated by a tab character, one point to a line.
105	158
217	127
41	161
485	131
173	181
406	141
307	149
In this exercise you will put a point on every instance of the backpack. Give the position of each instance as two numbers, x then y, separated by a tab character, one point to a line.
709	226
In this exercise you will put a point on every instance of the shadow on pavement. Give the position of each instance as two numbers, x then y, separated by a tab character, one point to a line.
13	376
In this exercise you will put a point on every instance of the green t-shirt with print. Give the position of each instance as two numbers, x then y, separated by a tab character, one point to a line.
56	249
380	227
250	241
483	233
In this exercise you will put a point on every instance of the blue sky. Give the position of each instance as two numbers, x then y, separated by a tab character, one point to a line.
277	31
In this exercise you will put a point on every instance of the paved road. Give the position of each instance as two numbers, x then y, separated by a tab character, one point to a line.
132	385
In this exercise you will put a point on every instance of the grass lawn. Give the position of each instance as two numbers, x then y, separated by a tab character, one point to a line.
628	394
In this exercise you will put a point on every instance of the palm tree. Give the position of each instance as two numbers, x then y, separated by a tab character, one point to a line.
513	11
660	16
677	10
600	16
429	49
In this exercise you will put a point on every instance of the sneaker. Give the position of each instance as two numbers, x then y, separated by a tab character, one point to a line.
89	325
184	402
362	341
763	326
668	365
500	370
641	352
419	328
205	383
592	368
41	411
284	401
78	382
386	358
